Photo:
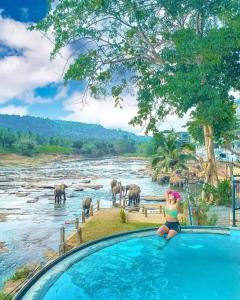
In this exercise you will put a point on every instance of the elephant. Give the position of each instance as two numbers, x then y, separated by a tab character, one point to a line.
87	201
134	196
113	183
118	189
59	191
132	186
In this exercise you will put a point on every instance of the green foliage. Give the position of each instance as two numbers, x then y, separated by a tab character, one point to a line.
21	273
48	149
124	146
4	296
221	194
200	212
181	56
26	148
86	139
61	133
169	155
123	216
145	149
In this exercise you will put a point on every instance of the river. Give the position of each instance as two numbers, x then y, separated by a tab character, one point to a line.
32	228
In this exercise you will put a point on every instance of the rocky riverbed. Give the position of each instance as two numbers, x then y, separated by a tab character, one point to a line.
29	221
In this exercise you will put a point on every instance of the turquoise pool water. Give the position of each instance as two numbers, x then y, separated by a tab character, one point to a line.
191	266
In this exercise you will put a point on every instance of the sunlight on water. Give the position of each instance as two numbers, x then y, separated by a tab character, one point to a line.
190	267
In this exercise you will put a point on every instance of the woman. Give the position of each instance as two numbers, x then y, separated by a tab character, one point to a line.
172	226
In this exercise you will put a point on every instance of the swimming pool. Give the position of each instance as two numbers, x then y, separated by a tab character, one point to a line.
201	266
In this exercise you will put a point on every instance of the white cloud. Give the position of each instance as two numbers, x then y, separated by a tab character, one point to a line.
14	110
103	112
22	74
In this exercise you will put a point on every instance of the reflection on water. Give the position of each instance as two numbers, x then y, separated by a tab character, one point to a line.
32	228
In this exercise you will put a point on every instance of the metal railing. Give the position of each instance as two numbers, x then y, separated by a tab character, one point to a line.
235	197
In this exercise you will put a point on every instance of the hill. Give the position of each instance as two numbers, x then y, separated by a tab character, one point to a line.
65	129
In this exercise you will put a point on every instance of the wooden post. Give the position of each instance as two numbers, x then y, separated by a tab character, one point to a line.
160	209
83	216
77	223
77	229
62	246
98	205
145	211
124	203
91	210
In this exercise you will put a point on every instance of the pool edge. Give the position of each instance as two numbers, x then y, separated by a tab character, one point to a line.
47	267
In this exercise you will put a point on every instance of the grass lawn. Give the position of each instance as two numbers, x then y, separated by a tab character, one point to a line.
107	222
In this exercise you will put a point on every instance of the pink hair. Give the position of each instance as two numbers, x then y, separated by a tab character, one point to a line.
176	195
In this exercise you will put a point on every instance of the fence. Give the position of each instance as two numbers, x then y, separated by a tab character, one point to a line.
78	230
223	215
235	197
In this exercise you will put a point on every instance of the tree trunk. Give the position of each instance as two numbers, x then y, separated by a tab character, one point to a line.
211	176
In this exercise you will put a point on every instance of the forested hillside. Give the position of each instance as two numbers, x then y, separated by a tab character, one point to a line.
70	130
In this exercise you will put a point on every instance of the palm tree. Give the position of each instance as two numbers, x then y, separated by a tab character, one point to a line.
169	155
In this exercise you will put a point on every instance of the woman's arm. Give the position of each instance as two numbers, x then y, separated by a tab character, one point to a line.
166	195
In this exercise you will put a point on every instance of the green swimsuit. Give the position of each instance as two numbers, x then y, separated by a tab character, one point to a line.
171	212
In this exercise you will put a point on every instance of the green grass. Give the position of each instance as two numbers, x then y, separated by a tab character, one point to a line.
52	149
5	297
107	224
6	151
21	274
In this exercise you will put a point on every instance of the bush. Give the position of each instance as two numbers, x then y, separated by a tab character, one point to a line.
221	194
199	211
21	273
123	216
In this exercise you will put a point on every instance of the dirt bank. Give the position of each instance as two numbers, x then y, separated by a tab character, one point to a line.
19	160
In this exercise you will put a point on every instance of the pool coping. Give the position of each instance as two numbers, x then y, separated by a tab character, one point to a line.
51	264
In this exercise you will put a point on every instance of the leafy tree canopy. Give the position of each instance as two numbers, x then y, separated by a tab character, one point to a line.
180	55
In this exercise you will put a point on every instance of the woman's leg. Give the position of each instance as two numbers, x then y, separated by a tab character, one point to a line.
163	230
171	234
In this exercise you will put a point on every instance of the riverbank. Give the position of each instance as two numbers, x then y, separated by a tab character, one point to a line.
19	160
36	160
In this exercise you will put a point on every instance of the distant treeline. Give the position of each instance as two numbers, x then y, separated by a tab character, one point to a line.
31	143
66	129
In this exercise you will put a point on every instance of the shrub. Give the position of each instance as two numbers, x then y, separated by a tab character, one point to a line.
21	273
200	216
221	194
123	216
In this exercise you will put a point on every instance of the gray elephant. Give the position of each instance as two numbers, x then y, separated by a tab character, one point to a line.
86	204
113	184
132	186
59	192
133	197
133	194
118	189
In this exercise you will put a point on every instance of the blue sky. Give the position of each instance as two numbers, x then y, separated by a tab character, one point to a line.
31	84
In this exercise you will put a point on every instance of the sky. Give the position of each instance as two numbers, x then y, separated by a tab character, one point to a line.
31	84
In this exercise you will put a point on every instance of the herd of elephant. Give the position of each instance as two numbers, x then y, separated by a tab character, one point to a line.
133	192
